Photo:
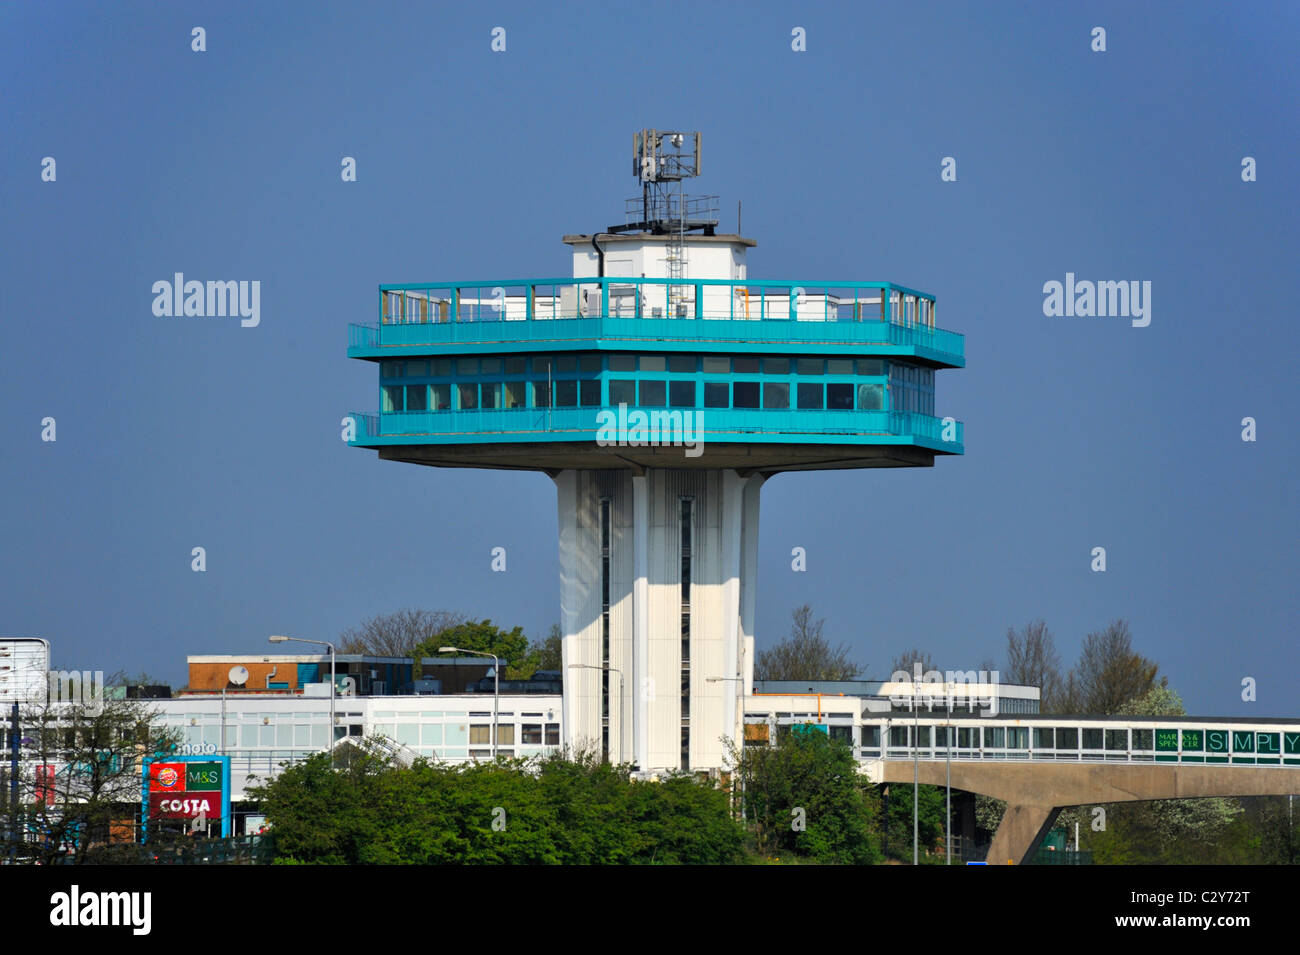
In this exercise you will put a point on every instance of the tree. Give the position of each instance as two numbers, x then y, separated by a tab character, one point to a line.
906	662
1032	660
397	634
549	651
1109	674
805	654
510	646
805	796
79	777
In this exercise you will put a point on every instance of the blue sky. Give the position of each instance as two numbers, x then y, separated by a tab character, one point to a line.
1080	432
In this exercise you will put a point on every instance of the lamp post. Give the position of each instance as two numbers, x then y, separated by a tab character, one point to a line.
916	786
622	700
323	643
947	819
496	686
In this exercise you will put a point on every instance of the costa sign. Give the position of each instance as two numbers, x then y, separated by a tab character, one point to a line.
187	787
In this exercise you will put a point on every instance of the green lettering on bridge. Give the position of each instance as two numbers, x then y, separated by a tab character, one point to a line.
1266	743
1243	742
1292	742
1166	741
1193	740
1216	741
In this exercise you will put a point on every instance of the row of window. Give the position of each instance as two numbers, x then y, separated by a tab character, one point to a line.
644	393
530	734
592	362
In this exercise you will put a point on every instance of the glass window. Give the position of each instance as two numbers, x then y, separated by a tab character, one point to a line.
964	740
566	393
588	363
1018	737
681	363
516	396
490	393
506	734
809	366
1092	738
653	363
995	737
589	394
393	398
1067	738
417	397
776	366
490	366
681	394
543	364
566	363
746	394
417	369
839	366
653	394
871	736
439	397
839	397
1043	739
516	366
715	365
716	394
1117	739
622	363
480	733
809	395
467	366
776	394
1143	740
541	394
390	369
531	734
552	734
622	392
871	397
844	733
871	366
440	367
467	395
746	366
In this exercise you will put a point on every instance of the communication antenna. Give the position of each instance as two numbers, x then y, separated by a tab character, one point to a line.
238	675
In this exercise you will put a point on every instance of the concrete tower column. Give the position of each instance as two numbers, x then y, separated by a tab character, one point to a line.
668	693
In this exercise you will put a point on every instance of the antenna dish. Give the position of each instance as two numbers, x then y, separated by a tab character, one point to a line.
238	675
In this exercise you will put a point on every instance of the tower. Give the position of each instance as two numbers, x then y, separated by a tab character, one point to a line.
659	387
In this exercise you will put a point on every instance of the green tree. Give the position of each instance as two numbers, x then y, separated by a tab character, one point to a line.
511	646
931	806
805	796
806	654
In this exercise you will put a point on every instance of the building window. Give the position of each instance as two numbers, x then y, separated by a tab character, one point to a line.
653	394
439	397
745	394
810	396
622	392
839	397
531	734
515	396
480	733
717	394
566	393
392	398
490	392
541	393
467	395
715	365
681	394
417	397
552	734
589	393
776	394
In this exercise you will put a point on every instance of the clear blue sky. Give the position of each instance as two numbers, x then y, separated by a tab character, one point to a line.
176	433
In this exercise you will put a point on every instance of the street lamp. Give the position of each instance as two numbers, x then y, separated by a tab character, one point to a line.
496	686
323	643
622	701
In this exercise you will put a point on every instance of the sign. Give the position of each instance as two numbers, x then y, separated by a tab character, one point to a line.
1166	741
188	788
